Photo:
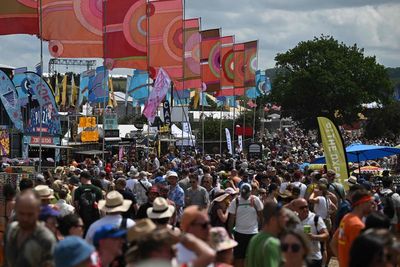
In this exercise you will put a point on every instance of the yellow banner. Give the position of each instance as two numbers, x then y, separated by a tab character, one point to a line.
335	156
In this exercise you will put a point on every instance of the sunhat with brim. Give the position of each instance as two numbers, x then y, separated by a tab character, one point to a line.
231	191
141	229
351	181
44	192
171	174
114	202
161	209
220	240
221	197
71	251
108	231
133	173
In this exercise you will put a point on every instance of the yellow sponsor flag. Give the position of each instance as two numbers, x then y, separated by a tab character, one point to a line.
64	92
57	92
74	92
335	154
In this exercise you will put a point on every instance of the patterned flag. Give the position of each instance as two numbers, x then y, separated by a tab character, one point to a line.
86	81
227	64
57	90
19	16
9	98
19	80
126	34
250	61
73	28
98	92
74	92
191	70
165	37
210	59
239	68
161	87
128	81
138	86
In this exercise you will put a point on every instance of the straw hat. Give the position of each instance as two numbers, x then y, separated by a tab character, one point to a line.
220	240
161	209
351	181
44	192
141	229
221	197
114	202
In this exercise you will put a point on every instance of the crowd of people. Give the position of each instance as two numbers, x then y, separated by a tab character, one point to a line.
212	210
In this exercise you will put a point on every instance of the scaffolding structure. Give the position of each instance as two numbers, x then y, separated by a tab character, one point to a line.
53	62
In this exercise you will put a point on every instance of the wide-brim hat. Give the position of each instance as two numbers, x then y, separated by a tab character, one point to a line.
133	173
161	209
351	181
44	192
221	197
140	229
114	202
220	240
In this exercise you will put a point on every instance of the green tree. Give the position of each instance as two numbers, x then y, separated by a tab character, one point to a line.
384	122
328	78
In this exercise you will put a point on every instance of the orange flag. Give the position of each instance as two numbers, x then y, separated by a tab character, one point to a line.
250	59
239	68
210	59
227	66
19	16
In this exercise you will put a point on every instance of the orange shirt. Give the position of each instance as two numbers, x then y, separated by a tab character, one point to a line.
349	228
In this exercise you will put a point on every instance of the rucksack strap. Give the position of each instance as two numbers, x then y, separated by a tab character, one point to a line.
123	224
316	218
336	190
145	188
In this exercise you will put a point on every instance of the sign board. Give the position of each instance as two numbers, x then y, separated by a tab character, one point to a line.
111	133
110	121
90	136
255	150
86	122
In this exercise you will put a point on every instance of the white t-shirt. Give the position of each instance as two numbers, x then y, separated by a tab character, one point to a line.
131	183
184	255
315	253
322	206
108	219
283	187
302	187
396	203
246	217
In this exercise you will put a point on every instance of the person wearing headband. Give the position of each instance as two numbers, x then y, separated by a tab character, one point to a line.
351	225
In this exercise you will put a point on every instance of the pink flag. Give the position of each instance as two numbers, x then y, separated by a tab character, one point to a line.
251	104
156	96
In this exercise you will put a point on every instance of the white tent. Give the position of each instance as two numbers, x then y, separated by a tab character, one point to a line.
182	137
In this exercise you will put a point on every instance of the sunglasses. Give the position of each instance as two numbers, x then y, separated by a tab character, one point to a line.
203	225
293	247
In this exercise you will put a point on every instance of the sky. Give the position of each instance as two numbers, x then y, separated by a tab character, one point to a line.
278	25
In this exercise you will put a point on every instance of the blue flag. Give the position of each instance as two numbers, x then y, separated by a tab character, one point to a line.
86	82
138	87
98	92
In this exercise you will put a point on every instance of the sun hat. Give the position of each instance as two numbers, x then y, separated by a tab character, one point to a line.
161	209
208	158
114	202
220	240
189	215
231	191
44	192
351	181
221	197
133	173
141	229
171	174
72	251
108	231
143	174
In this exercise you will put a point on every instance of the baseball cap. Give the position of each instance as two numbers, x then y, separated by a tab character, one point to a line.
108	231
72	251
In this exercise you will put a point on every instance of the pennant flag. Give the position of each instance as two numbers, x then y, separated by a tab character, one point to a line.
98	92
57	90
335	153
64	91
50	117
19	16
161	86
250	61
9	98
239	68
21	85
210	59
73	28
138	86
165	37
74	92
261	82
86	81
228	141
128	81
191	70
227	64
126	34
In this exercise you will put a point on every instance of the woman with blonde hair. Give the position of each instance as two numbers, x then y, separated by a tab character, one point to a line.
295	248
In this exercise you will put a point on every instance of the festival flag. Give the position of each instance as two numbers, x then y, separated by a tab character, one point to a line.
19	17
191	70
335	153
239	68
57	90
74	92
9	98
227	66
196	99
128	81
250	61
64	91
98	92
74	29
261	82
86	81
210	59
161	87
165	37
112	98
181	97
19	80
138	86
126	34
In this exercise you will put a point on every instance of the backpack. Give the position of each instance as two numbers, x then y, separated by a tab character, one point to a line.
388	205
88	206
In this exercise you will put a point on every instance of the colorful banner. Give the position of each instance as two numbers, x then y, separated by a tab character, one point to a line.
9	98
165	37
210	59
98	93
41	92
19	16
191	70
86	81
138	86
239	68
126	34
19	80
167	113
4	142
73	28
335	153
64	91
227	66
161	87
228	141
250	61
